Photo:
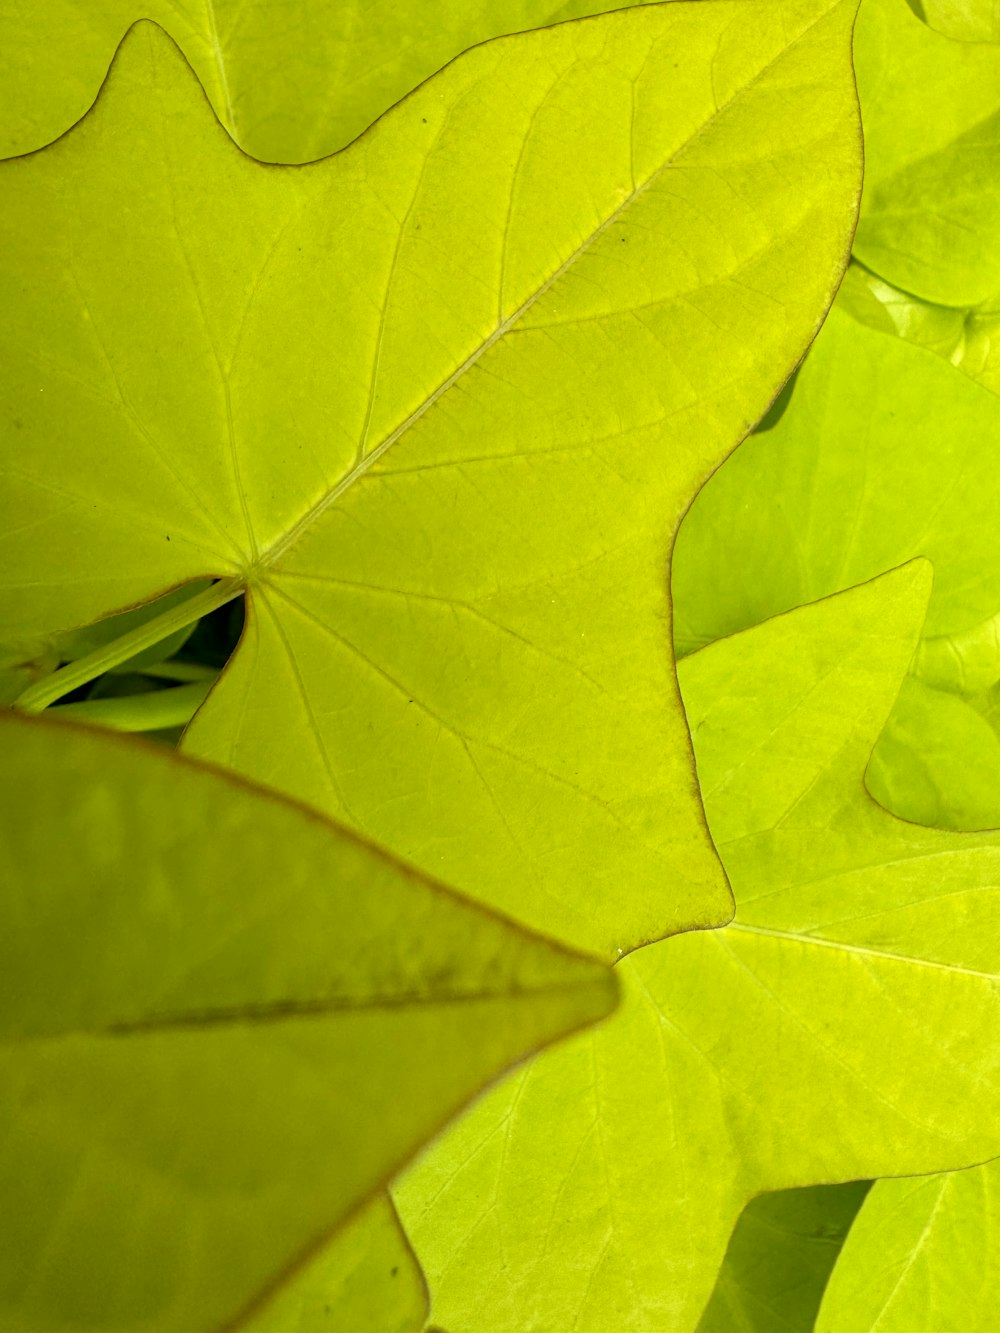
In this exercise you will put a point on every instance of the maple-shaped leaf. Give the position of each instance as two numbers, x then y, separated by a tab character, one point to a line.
437	405
922	1257
884	453
290	85
839	1028
226	1023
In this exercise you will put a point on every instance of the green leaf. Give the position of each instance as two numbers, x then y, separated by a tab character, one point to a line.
834	1031
366	1281
965	20
141	709
884	453
226	1022
967	336
77	643
931	111
921	1258
437	404
779	1259
289	89
31	661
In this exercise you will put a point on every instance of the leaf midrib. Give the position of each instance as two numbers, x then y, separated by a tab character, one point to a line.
269	557
261	1015
844	946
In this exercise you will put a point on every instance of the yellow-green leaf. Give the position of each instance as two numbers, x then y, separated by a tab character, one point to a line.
779	1259
291	82
226	1022
931	111
834	1031
922	1257
366	1280
437	404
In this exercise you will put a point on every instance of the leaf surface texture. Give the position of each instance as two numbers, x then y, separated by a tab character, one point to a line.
211	997
884	453
833	1031
438	404
290	83
922	1257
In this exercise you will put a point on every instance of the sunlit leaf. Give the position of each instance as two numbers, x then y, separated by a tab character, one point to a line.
437	404
226	1022
884	453
966	336
930	217
834	1031
922	1257
965	20
291	83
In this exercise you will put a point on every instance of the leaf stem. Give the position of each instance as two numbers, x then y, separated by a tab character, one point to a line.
84	669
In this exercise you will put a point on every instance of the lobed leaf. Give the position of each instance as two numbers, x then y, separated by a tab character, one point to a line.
884	453
226	1023
833	1031
437	404
289	87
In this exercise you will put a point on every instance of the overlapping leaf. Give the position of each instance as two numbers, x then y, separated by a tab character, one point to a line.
779	1259
365	1281
967	337
922	1257
438	404
931	110
834	1031
226	1022
291	83
884	453
965	20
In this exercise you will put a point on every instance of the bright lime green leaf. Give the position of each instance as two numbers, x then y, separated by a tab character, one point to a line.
438	403
291	85
834	1031
365	1281
145	710
24	663
965	20
883	454
967	337
922	1257
779	1258
78	643
931	110
225	1023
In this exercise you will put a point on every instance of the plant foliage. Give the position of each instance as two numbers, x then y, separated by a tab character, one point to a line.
419	421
